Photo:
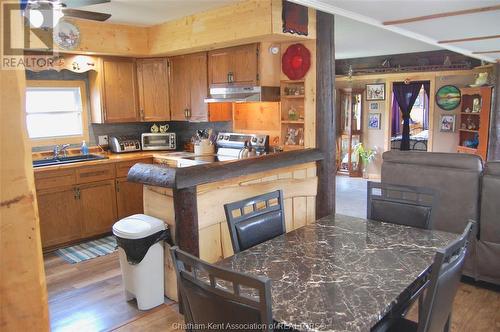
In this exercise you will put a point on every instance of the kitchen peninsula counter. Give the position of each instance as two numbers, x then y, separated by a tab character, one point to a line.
190	200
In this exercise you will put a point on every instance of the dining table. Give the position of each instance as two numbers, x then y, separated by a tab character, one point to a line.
342	273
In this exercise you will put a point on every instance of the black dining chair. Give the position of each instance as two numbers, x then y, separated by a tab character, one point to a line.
397	204
444	280
212	296
255	220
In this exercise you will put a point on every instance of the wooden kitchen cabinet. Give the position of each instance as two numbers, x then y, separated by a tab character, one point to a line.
113	91
60	218
128	198
188	87
234	65
152	79
98	207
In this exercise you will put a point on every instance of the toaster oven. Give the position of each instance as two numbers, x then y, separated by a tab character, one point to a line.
158	141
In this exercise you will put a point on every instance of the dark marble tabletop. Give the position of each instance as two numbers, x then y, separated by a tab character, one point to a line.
341	273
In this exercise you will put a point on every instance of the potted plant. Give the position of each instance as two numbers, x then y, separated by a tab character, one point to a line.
367	155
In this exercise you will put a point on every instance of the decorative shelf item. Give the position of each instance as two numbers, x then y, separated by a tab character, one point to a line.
475	120
292	114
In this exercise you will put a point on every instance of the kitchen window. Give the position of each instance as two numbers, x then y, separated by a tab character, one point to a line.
56	112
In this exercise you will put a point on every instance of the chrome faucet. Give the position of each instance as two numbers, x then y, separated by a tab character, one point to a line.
58	149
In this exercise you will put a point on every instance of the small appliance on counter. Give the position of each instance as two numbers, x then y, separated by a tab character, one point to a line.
122	144
158	141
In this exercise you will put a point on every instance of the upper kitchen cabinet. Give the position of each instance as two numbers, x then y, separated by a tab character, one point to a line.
188	87
113	88
234	65
152	79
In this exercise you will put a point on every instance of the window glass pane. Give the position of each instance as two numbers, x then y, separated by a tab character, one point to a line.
54	124
41	100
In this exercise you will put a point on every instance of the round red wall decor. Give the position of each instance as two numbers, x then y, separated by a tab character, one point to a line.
296	61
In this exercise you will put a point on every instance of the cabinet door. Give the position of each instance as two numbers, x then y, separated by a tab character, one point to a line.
244	64
60	219
98	207
128	198
180	86
120	90
219	65
199	88
152	77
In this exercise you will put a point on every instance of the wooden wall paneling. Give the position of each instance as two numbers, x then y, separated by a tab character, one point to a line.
288	208
23	290
269	65
325	113
159	203
211	243
220	112
262	118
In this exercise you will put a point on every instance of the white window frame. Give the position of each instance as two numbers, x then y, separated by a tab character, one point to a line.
74	139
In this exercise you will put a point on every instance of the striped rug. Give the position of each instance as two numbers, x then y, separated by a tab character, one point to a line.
88	250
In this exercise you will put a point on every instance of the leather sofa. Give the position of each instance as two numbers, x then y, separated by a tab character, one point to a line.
464	193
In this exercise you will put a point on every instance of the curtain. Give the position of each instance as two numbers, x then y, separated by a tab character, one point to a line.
406	95
396	117
427	88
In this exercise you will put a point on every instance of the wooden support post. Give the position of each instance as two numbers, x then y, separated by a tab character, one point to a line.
494	146
186	220
326	131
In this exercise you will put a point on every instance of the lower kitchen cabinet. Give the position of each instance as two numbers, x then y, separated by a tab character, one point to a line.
128	198
98	207
60	215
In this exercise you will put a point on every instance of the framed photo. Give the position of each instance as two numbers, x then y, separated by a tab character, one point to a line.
375	91
373	106
447	123
374	121
448	97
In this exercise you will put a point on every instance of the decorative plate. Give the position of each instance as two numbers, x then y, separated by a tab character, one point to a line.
66	35
296	61
448	97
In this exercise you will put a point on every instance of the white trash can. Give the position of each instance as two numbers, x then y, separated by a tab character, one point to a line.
140	246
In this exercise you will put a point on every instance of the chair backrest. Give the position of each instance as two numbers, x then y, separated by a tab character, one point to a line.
443	284
404	205
255	220
217	296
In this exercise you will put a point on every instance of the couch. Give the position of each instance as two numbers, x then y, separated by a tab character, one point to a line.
466	191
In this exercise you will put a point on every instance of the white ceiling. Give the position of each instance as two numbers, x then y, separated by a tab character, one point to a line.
151	12
375	12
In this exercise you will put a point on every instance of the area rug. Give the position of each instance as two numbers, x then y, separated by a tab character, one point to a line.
88	250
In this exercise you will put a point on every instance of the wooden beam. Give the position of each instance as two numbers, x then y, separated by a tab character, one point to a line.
494	143
486	52
468	39
326	131
441	15
186	220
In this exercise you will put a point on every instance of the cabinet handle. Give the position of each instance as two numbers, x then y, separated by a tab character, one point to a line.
117	186
230	77
141	114
76	191
187	113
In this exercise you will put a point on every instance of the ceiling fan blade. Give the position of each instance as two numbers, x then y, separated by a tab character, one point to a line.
86	15
82	3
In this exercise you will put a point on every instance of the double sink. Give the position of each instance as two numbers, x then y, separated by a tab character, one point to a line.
66	160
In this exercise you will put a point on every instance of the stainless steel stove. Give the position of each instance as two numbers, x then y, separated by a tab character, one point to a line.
231	146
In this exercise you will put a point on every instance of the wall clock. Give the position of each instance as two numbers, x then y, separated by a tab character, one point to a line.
66	35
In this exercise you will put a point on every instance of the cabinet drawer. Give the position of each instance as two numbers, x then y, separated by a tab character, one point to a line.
55	178
123	167
95	173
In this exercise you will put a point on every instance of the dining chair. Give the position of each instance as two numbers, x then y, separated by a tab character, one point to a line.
444	280
255	220
398	204
212	296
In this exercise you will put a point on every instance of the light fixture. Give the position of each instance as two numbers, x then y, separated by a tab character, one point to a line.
274	50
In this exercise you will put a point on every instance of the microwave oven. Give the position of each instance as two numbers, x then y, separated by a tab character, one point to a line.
158	141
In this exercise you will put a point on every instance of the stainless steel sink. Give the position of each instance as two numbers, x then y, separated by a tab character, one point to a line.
66	160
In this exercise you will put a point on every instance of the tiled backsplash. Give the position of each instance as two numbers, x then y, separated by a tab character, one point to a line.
183	129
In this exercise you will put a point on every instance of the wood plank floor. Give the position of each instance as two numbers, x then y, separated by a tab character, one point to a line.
88	296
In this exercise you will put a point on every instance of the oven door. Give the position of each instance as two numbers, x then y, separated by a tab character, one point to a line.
159	141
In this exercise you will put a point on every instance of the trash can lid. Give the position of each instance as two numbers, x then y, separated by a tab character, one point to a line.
137	226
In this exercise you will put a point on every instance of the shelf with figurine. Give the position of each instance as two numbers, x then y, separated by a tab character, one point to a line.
292	114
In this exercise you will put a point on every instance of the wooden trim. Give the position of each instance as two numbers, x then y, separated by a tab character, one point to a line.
467	39
85	122
441	15
486	52
326	129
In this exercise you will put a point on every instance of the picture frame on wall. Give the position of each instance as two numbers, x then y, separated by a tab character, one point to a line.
375	91
373	106
447	123
374	120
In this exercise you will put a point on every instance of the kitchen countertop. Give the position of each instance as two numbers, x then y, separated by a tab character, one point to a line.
340	273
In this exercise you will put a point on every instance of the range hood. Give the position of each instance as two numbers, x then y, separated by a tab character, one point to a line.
242	94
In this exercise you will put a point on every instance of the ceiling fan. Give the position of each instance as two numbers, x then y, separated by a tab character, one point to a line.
46	13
